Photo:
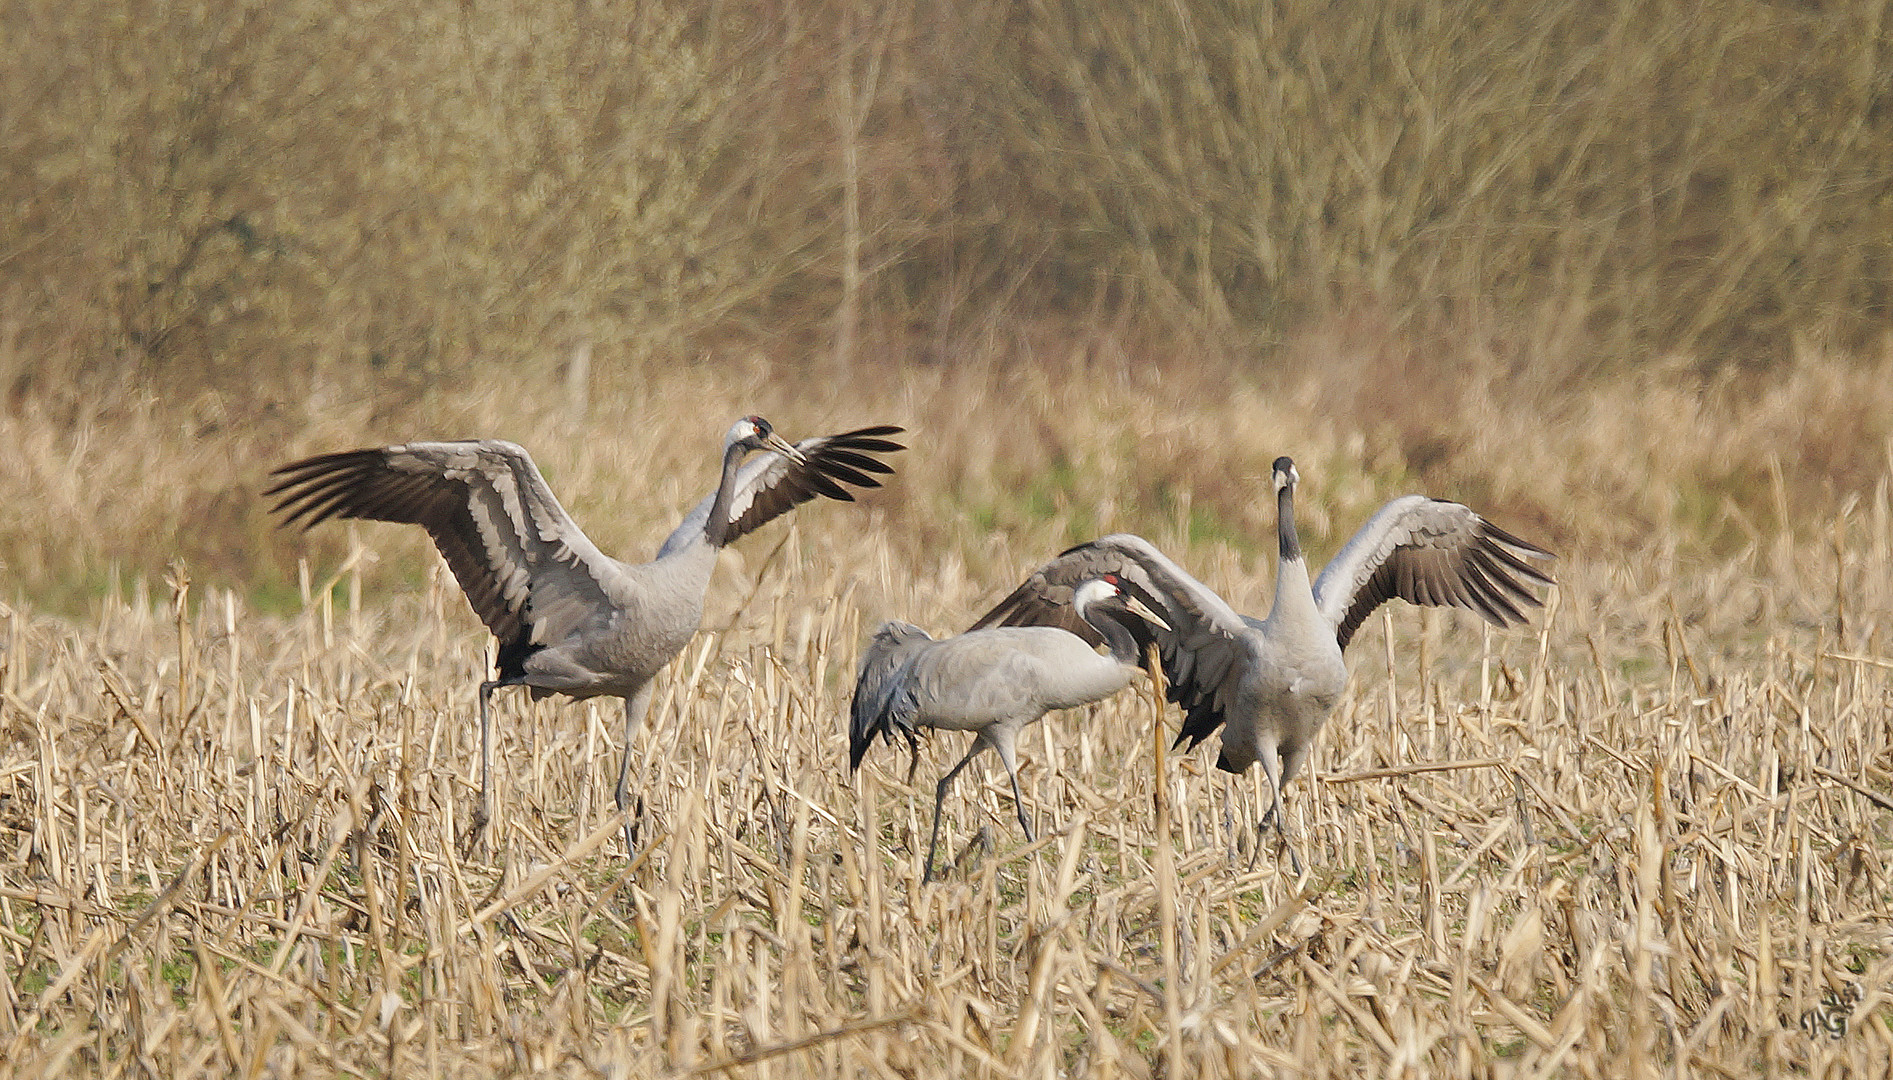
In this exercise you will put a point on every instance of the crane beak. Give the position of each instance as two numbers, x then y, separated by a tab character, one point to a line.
1143	612
784	447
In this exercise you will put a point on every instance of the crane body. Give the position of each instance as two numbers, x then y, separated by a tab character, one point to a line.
992	682
568	618
1269	684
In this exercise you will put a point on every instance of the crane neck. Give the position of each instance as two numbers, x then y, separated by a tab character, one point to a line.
1294	595
1117	636
1285	522
716	527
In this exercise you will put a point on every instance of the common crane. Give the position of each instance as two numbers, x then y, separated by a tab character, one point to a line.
993	682
1269	684
568	618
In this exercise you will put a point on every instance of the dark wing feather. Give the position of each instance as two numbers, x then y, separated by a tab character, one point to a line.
829	460
1205	651
1427	551
529	572
769	484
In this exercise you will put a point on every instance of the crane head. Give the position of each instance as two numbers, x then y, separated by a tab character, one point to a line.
1106	587
1285	474
755	433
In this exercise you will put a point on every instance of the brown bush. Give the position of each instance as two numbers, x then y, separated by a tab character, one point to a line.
239	194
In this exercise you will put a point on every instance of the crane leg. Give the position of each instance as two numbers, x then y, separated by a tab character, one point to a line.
1271	768
634	709
913	755
484	813
1229	822
939	797
1002	740
1292	762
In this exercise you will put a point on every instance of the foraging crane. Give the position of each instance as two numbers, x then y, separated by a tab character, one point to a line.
993	682
1269	684
568	618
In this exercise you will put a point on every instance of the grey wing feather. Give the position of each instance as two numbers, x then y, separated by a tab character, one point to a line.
1203	652
1430	552
529	572
883	676
770	484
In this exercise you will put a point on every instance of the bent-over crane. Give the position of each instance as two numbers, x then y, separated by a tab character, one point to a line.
1269	684
993	682
568	618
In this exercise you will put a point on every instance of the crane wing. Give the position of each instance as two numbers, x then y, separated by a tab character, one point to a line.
881	678
1428	551
770	484
528	571
1205	651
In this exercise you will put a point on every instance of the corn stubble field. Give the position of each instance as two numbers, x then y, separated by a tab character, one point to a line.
1644	835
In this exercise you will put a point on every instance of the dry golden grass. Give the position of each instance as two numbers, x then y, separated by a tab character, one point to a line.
229	840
